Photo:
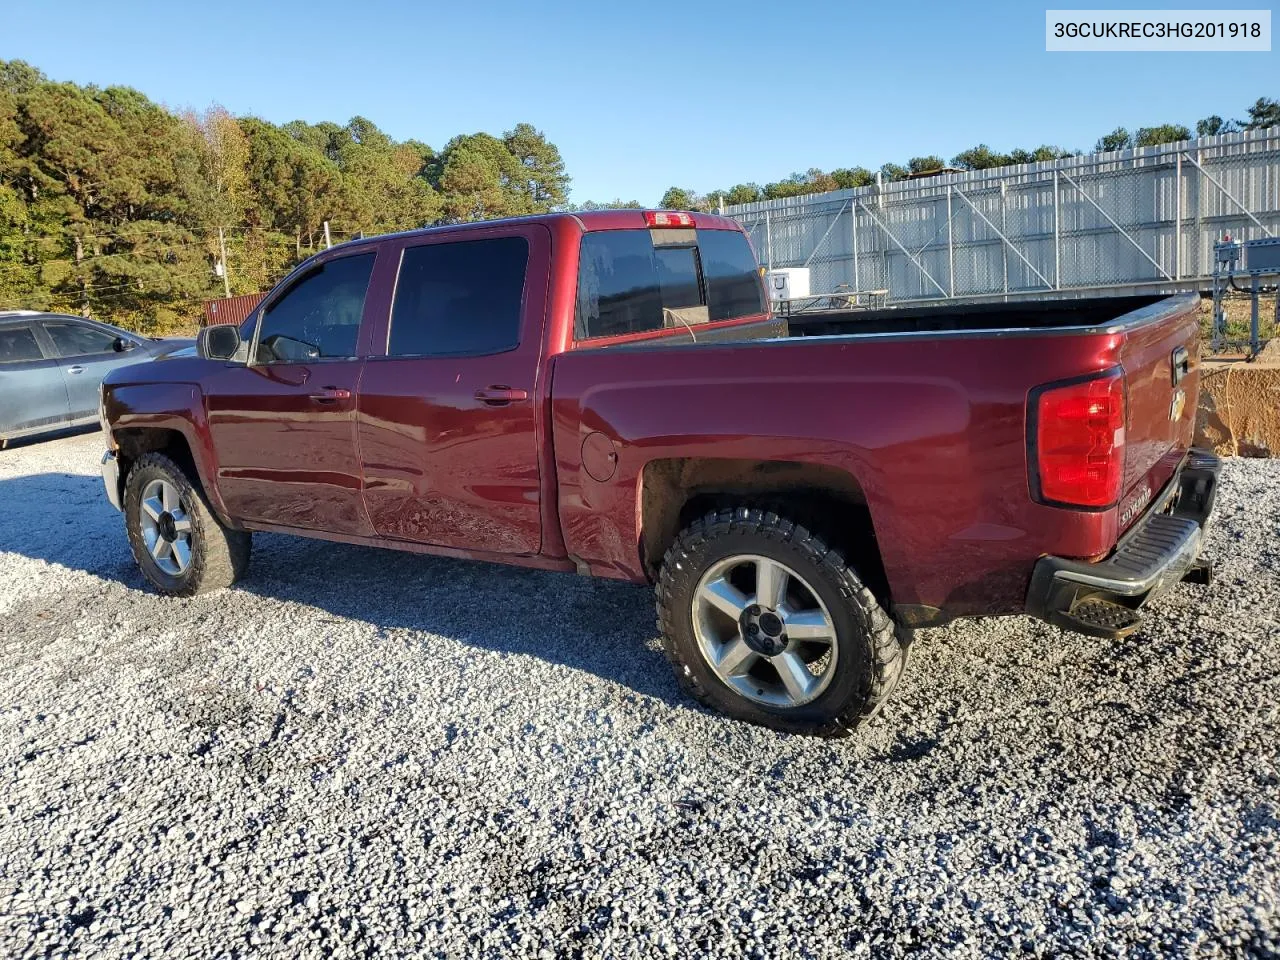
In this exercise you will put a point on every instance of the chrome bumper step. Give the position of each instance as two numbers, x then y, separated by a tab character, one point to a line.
1105	598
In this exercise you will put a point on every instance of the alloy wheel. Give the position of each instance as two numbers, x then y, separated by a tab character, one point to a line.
166	527
764	631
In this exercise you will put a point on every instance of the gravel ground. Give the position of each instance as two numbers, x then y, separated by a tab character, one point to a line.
360	752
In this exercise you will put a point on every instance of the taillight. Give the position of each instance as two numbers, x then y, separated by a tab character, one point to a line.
668	218
1078	442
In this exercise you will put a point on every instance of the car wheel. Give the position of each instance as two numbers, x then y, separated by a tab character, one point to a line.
180	545
764	622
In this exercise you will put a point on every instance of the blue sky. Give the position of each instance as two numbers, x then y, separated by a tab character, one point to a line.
640	96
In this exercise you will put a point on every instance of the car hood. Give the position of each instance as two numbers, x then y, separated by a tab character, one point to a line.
172	347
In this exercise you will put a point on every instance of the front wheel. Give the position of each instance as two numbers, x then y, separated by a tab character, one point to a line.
764	622
178	542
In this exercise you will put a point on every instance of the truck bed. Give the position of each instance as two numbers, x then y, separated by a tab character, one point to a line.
926	409
973	317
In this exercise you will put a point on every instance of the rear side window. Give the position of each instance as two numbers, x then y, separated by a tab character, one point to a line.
627	284
459	299
18	344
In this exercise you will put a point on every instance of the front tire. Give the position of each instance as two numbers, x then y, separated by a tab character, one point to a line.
764	622
179	544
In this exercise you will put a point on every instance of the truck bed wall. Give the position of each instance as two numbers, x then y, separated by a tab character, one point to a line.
932	429
1039	315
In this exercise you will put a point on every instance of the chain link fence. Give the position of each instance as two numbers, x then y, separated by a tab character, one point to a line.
1143	219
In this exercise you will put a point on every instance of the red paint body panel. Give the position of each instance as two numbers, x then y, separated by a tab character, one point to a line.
934	432
533	562
931	427
1155	443
440	465
284	434
284	457
173	403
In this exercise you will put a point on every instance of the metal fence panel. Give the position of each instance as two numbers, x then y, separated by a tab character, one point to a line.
1141	219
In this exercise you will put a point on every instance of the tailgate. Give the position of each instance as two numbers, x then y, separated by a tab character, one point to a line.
1160	358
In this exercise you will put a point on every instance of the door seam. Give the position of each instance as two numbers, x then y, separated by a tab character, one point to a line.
355	426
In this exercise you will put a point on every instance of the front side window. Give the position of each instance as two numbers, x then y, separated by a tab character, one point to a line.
460	299
78	339
318	318
18	344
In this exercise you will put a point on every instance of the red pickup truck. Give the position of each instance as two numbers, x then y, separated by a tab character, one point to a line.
607	393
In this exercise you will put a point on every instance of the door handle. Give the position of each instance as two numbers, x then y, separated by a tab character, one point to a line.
331	395
75	368
499	395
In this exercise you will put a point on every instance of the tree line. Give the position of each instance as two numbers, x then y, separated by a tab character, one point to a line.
111	205
1265	112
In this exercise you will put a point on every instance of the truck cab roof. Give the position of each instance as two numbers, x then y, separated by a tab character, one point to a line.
587	220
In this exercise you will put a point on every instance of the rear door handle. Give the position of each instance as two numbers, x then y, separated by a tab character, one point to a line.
75	369
499	395
331	395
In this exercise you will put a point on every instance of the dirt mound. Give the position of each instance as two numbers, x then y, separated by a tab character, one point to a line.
1239	412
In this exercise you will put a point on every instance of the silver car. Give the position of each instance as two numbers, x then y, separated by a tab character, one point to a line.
51	366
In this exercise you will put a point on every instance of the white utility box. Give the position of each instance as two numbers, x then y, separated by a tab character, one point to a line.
787	283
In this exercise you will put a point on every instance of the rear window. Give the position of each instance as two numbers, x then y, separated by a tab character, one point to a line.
629	284
459	299
733	279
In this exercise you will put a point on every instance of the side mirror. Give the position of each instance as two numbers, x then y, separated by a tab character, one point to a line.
218	342
120	345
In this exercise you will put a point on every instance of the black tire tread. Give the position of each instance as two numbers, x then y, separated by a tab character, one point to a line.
887	647
221	556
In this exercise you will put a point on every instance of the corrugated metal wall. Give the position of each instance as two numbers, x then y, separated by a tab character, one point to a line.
1145	218
231	309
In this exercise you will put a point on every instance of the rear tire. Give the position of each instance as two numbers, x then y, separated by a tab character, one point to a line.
746	665
179	544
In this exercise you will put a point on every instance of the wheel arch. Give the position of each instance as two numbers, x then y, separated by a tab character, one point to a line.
828	499
133	442
165	418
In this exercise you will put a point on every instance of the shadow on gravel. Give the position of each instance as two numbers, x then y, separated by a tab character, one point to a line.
62	518
598	626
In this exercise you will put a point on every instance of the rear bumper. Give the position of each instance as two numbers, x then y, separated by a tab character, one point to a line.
111	478
1104	598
